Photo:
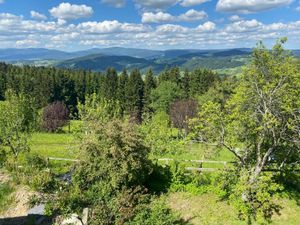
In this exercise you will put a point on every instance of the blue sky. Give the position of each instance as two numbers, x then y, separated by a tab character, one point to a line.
156	24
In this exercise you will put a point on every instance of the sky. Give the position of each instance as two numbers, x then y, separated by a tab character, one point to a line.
153	24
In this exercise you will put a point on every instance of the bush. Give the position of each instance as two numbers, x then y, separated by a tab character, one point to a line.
156	213
3	157
55	116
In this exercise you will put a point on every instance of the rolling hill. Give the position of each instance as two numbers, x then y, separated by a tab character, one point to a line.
100	59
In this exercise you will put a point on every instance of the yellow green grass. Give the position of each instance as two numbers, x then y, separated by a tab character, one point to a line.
207	209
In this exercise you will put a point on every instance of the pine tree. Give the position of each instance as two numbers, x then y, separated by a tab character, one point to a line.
135	94
150	84
185	84
200	81
174	75
122	98
111	84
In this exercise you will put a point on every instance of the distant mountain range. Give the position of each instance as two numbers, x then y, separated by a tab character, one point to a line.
100	59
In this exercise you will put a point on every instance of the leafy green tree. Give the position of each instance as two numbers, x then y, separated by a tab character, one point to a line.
97	110
259	124
15	123
166	93
160	136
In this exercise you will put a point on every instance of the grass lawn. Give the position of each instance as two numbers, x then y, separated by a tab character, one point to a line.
5	196
196	151
60	145
207	209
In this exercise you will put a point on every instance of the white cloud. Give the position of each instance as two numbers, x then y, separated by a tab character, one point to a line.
68	11
17	31
189	3
207	27
160	17
114	3
171	28
1	1
249	6
156	4
298	8
149	17
235	18
108	26
192	15
27	43
244	26
37	15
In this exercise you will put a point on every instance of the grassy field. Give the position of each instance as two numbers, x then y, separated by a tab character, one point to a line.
207	209
61	145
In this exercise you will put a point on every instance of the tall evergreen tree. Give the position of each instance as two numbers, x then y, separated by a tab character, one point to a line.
135	94
185	84
122	98
150	84
200	81
110	87
174	75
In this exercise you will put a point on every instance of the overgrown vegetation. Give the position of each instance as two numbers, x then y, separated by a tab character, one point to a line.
140	140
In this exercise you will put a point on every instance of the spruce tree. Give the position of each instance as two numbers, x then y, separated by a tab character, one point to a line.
122	98
111	84
135	94
150	84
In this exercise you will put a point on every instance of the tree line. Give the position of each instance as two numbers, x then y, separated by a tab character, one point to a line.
133	91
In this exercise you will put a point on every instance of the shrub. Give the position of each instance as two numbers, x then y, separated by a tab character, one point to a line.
55	116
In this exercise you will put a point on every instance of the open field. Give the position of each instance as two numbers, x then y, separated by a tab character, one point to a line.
208	209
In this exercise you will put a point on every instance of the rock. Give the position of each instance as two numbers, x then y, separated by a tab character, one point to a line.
74	220
37	210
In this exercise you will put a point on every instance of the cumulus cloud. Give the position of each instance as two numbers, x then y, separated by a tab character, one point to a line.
235	18
207	27
189	3
149	17
67	11
192	15
160	17
156	4
114	3
243	26
17	31
110	26
37	15
249	6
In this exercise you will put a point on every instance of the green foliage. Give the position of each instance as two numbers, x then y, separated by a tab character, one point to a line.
262	205
16	121
135	94
5	196
114	167
97	110
259	124
157	213
160	137
166	93
150	84
200	81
